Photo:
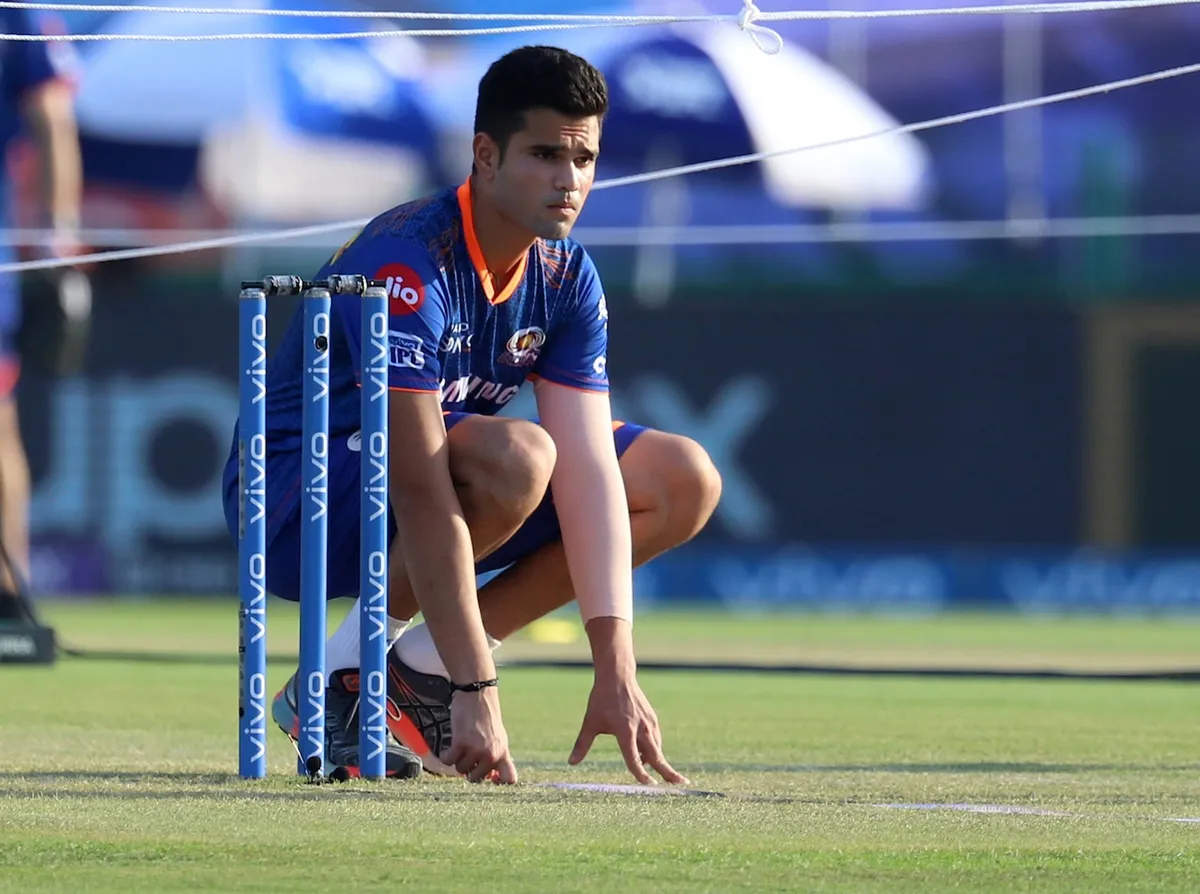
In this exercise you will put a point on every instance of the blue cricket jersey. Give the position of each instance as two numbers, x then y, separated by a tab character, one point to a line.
25	65
449	331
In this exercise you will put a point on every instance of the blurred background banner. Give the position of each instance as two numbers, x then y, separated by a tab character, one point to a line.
949	369
871	459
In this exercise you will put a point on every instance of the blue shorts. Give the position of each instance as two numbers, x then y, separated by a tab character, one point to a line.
343	562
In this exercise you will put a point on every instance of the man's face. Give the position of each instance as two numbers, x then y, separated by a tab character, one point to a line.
547	172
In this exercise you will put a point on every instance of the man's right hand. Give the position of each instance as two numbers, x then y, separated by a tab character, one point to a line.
479	748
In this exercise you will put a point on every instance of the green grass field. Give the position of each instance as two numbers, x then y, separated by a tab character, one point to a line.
121	775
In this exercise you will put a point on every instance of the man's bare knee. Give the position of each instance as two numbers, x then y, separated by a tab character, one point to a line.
693	487
674	478
509	469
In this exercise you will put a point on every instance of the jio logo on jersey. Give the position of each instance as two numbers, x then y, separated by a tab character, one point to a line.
405	290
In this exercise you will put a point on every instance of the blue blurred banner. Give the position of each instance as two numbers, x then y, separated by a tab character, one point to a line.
849	580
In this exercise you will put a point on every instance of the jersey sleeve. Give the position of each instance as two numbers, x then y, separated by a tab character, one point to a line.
417	306
577	351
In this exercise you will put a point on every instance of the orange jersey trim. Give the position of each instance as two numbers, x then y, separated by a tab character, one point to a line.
477	260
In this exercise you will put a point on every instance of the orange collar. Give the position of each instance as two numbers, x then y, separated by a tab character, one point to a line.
481	270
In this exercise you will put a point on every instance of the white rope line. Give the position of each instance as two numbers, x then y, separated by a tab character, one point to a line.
320	35
767	40
372	14
319	229
747	19
130	254
993	10
893	231
906	128
721	234
817	15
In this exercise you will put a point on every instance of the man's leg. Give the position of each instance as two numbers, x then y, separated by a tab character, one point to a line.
501	469
14	482
672	488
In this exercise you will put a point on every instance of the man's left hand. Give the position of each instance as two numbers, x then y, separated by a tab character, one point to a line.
618	707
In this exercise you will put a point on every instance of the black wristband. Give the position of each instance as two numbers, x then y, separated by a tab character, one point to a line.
474	687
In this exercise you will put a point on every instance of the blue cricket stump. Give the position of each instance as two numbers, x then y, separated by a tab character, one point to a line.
373	588
314	533
252	534
314	530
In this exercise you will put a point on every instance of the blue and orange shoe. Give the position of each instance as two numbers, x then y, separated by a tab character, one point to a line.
285	709
341	727
419	713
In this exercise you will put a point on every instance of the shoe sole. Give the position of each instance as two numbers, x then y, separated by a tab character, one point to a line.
410	737
354	772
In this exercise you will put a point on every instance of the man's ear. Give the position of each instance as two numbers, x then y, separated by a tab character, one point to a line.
486	155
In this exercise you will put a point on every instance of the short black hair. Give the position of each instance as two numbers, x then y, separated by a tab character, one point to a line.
537	78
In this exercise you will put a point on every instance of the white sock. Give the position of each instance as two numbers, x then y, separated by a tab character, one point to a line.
416	649
395	628
342	649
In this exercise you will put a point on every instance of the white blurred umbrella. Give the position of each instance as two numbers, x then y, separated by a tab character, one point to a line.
711	93
286	130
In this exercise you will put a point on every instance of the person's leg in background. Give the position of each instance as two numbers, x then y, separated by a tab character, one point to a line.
14	463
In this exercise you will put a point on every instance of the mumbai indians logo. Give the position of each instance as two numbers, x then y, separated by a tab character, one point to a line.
523	347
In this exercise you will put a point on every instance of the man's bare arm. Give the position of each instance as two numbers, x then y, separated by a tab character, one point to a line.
433	535
436	547
49	111
589	494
